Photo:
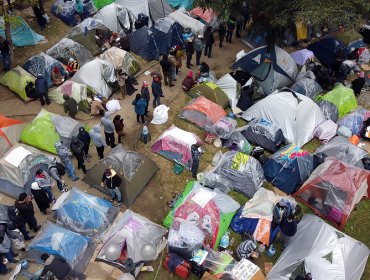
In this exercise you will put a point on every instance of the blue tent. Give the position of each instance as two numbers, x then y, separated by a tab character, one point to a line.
177	31
187	4
22	34
66	10
325	50
144	44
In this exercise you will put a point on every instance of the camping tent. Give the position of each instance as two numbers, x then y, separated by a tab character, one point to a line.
43	64
22	35
136	7
167	34
16	80
255	35
121	58
289	168
273	70
203	112
306	84
231	88
10	132
143	43
133	234
244	172
101	3
4	219
354	121
323	251
136	170
350	39
295	114
66	10
66	49
187	4
18	169
206	15
213	209
325	50
159	9
186	21
333	190
175	144
84	213
210	91
340	148
341	97
79	92
99	75
47	128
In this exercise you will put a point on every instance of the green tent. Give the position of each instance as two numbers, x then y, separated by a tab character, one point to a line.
210	91
349	37
220	208
16	80
47	128
342	97
101	3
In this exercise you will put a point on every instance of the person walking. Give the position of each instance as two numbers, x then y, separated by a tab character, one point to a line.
195	157
45	183
39	14
157	91
166	70
179	56
19	221
77	148
112	182
97	140
85	138
5	53
70	106
239	25
146	95
65	156
230	26
122	78
199	46
25	207
221	34
209	40
172	60
140	105
41	198
189	48
56	171
108	129
119	125
41	86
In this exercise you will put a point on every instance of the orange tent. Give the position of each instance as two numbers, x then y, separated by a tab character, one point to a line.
10	132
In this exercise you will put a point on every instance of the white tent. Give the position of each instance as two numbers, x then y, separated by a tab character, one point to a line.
186	21
97	74
136	7
295	114
120	58
322	250
159	9
231	88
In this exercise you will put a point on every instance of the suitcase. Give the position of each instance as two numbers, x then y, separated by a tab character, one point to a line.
182	270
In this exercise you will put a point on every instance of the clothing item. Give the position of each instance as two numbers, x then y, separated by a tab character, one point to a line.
41	85
84	136
209	40
157	89
96	137
40	197
357	85
198	44
145	93
26	209
198	55
57	266
113	181
63	152
166	65
70	106
189	47
142	118
100	151
156	101
96	107
109	139
194	168
208	51
70	170
140	106
187	83
189	56
107	122
116	193
167	76
245	249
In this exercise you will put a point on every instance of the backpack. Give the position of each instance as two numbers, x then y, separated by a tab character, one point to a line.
60	167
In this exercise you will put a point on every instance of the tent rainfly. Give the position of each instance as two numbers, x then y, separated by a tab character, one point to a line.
10	132
159	9
186	21
121	58
210	91
136	7
231	88
66	11
325	50
351	39
144	44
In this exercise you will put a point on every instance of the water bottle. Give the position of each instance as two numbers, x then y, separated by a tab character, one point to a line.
261	248
225	240
271	251
145	134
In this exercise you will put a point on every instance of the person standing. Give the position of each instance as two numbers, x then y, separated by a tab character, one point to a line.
45	183
199	46
39	14
57	173
112	182
19	221
42	89
25	207
70	106
5	53
140	105
221	34
209	40
157	91
239	25
245	13
146	95
108	129
6	251
166	70
77	148
65	156
172	60
119	125
179	55
40	197
195	158
122	78
97	140
230	26
85	138
189	48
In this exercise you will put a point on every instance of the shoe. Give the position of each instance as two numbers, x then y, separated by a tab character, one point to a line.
7	271
42	103
76	179
53	201
172	85
15	261
29	238
111	200
15	255
191	64
113	146
119	203
188	66
37	229
166	84
174	80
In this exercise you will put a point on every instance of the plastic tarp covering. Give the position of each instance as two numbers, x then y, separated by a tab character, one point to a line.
339	147
333	189
97	74
55	240
22	35
202	112
325	50
136	7
306	84
43	64
186	21
4	214
84	213
131	232
289	168
297	117
66	49
65	11
326	130
159	9
354	121
223	128
263	133
231	88
301	56
175	144
16	80
245	172
309	247
329	110
238	142
342	97
121	58
101	3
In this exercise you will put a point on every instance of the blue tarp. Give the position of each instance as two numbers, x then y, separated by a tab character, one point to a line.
22	34
187	4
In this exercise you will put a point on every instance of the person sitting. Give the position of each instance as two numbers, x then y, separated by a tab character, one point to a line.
56	76
31	91
124	43
114	39
247	249
204	70
358	84
55	265
70	106
72	67
97	107
188	83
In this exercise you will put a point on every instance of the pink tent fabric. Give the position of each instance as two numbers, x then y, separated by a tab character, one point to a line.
206	14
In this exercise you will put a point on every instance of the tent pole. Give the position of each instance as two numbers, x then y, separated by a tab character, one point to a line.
164	14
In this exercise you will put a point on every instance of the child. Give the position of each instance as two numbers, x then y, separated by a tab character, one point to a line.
146	95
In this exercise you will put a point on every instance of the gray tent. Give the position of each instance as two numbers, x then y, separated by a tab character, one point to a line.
329	109
136	169
4	213
306	84
18	169
159	9
323	251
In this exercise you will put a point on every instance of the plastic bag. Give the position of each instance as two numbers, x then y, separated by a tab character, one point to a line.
223	128
238	142
160	114
215	181
216	158
344	131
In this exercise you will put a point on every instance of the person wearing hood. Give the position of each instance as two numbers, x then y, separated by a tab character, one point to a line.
108	129
188	82
40	197
56	76
6	251
230	24
221	33
140	105
41	86
199	46
209	40
85	138
157	91
72	66
77	148
70	106
25	207
189	48
45	183
166	70
97	140
55	173
19	221
119	125
112	182
146	95
65	156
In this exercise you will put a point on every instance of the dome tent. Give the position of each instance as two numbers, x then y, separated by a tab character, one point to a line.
210	91
325	50
121	58
66	10
307	85
231	88
10	132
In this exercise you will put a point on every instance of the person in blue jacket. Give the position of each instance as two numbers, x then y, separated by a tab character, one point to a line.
140	106
157	91
41	86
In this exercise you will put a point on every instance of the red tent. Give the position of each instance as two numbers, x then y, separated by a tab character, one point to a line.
10	131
